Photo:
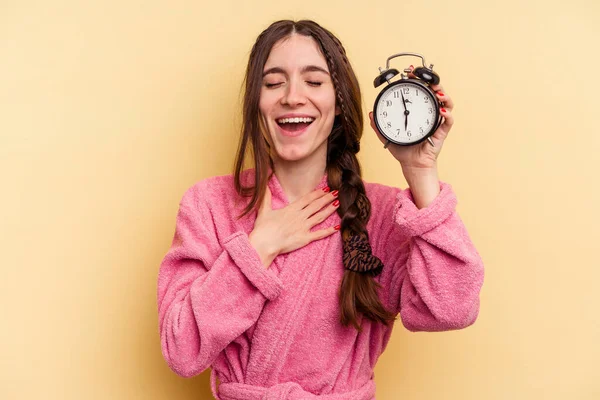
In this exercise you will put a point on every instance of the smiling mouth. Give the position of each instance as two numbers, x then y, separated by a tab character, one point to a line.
294	125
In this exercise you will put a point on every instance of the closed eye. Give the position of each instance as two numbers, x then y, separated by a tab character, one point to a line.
314	83
272	85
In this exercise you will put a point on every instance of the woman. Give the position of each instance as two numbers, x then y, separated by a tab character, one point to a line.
276	278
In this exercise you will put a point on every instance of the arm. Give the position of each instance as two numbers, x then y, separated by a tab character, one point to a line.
209	293
437	272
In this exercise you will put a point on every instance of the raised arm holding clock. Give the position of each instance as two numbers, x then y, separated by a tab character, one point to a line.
419	160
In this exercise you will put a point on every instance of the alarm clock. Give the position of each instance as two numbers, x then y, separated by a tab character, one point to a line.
407	112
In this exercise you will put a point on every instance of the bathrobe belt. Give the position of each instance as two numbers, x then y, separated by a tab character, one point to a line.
289	391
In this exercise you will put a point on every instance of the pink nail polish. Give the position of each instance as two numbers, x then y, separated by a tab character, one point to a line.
326	189
335	193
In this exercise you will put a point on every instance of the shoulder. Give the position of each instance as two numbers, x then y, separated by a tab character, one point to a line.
214	190
385	201
381	195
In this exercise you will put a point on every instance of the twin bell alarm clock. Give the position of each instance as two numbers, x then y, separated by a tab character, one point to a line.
406	111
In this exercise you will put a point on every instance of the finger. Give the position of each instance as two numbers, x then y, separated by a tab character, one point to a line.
319	203
323	233
379	135
445	100
308	198
322	215
444	128
410	74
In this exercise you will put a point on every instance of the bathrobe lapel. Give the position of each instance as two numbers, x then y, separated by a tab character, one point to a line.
276	327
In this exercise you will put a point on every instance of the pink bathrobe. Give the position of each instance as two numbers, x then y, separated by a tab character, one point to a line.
275	333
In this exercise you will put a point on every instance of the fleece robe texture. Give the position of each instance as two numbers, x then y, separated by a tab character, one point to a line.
274	333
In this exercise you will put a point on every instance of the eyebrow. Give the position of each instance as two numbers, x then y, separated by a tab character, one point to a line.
307	68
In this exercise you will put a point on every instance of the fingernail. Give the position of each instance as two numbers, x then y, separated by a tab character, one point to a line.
337	227
443	109
335	193
440	93
326	189
411	67
371	115
336	203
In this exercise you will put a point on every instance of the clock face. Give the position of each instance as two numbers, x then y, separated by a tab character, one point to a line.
406	112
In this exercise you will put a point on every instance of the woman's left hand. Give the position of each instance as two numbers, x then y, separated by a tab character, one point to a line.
423	155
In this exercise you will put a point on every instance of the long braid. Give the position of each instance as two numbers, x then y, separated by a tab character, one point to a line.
358	292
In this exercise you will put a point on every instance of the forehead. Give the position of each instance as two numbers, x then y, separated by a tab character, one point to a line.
294	52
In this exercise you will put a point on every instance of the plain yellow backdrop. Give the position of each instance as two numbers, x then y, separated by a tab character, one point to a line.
110	109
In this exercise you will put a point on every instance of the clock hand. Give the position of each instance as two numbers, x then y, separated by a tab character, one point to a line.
406	112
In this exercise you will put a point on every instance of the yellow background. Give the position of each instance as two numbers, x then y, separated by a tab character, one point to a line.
110	109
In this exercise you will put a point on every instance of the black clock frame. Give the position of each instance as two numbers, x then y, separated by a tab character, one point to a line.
416	82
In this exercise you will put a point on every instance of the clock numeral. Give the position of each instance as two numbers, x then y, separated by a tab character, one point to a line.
417	93
430	110
396	95
406	90
388	103
385	113
389	125
420	129
408	133
426	99
427	122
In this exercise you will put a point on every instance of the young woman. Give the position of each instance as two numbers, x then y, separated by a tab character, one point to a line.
286	278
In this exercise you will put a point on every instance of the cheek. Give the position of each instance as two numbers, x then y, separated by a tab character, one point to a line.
262	104
265	102
328	102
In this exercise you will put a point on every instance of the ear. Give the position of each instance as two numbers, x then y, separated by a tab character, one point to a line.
338	111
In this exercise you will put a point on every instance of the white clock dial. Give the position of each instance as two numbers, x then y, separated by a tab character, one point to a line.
406	124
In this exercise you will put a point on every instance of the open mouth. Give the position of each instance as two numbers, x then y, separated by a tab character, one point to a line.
295	125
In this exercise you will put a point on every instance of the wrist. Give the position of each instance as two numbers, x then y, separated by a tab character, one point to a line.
418	175
424	184
265	251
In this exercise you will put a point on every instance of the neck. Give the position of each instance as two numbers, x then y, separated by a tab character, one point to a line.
298	178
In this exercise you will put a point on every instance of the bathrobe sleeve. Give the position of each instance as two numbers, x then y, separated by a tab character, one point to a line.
209	291
436	271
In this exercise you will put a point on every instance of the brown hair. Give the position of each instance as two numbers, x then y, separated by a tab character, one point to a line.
358	294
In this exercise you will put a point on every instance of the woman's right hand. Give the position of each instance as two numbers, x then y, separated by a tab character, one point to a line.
287	229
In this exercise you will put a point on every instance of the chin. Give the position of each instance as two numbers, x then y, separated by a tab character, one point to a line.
292	154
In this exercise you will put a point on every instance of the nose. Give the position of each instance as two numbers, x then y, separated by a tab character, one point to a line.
294	94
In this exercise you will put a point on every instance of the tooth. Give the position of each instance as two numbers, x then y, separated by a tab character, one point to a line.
295	120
